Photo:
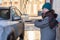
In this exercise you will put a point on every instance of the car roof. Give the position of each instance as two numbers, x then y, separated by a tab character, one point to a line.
1	8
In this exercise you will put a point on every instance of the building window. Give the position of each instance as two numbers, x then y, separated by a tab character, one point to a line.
16	2
5	2
33	6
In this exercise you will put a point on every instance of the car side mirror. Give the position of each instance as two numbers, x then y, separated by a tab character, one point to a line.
16	18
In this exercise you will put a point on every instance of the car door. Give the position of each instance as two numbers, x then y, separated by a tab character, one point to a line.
16	17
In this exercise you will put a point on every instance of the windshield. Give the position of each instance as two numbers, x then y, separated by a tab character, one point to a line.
4	14
16	11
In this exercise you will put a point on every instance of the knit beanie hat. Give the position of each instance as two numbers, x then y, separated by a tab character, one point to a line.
47	5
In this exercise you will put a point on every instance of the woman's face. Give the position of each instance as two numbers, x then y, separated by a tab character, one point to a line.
44	10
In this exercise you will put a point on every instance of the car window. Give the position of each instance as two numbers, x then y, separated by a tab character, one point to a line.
15	14
5	14
16	11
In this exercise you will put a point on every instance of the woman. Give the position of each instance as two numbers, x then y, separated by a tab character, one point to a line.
47	33
52	18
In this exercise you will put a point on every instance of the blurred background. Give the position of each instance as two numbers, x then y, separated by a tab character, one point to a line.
31	7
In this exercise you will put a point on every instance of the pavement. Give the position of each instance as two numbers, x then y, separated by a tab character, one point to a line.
31	31
29	27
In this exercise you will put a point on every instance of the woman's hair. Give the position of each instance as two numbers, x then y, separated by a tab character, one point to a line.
52	18
50	13
55	15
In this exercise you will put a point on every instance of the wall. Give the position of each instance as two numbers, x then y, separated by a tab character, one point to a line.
33	6
56	7
30	7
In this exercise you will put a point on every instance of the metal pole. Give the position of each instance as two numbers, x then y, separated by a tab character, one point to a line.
10	9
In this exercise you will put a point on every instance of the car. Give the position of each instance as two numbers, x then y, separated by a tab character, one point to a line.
11	24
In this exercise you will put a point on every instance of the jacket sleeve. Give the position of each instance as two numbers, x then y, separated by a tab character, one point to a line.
42	23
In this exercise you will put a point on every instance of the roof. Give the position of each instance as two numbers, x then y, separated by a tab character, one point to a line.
1	8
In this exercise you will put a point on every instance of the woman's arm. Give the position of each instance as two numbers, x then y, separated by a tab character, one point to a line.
42	23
